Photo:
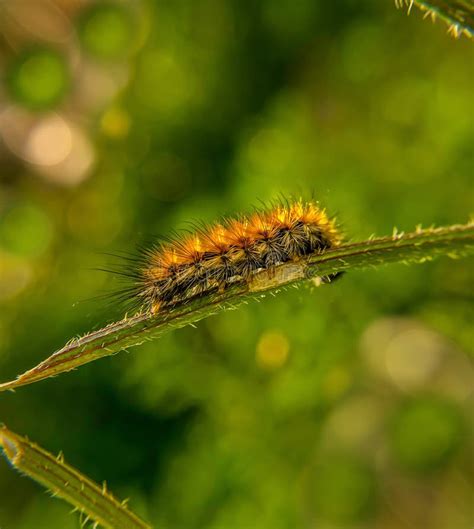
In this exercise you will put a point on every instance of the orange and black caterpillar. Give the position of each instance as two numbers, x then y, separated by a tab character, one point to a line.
231	250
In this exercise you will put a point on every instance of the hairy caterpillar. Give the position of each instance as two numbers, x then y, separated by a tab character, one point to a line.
231	250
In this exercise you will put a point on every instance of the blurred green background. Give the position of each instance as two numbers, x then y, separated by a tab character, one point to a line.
344	406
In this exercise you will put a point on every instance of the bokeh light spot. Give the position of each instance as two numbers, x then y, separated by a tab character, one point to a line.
404	351
115	123
73	168
38	78
426	433
106	30
25	230
354	421
49	142
412	356
272	350
39	20
15	275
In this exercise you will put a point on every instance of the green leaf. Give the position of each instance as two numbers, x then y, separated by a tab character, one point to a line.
92	500
417	247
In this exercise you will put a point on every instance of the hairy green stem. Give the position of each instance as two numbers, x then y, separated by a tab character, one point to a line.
421	245
458	14
62	480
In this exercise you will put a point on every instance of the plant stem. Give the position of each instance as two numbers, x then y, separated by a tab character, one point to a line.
458	14
62	480
421	245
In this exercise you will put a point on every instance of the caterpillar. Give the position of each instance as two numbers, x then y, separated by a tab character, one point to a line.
215	256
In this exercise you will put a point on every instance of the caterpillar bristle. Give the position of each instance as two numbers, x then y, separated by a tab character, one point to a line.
210	258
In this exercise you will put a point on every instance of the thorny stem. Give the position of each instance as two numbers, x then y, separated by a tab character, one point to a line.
92	500
419	246
458	14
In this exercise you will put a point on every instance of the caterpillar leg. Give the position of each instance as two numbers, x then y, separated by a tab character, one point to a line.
332	277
